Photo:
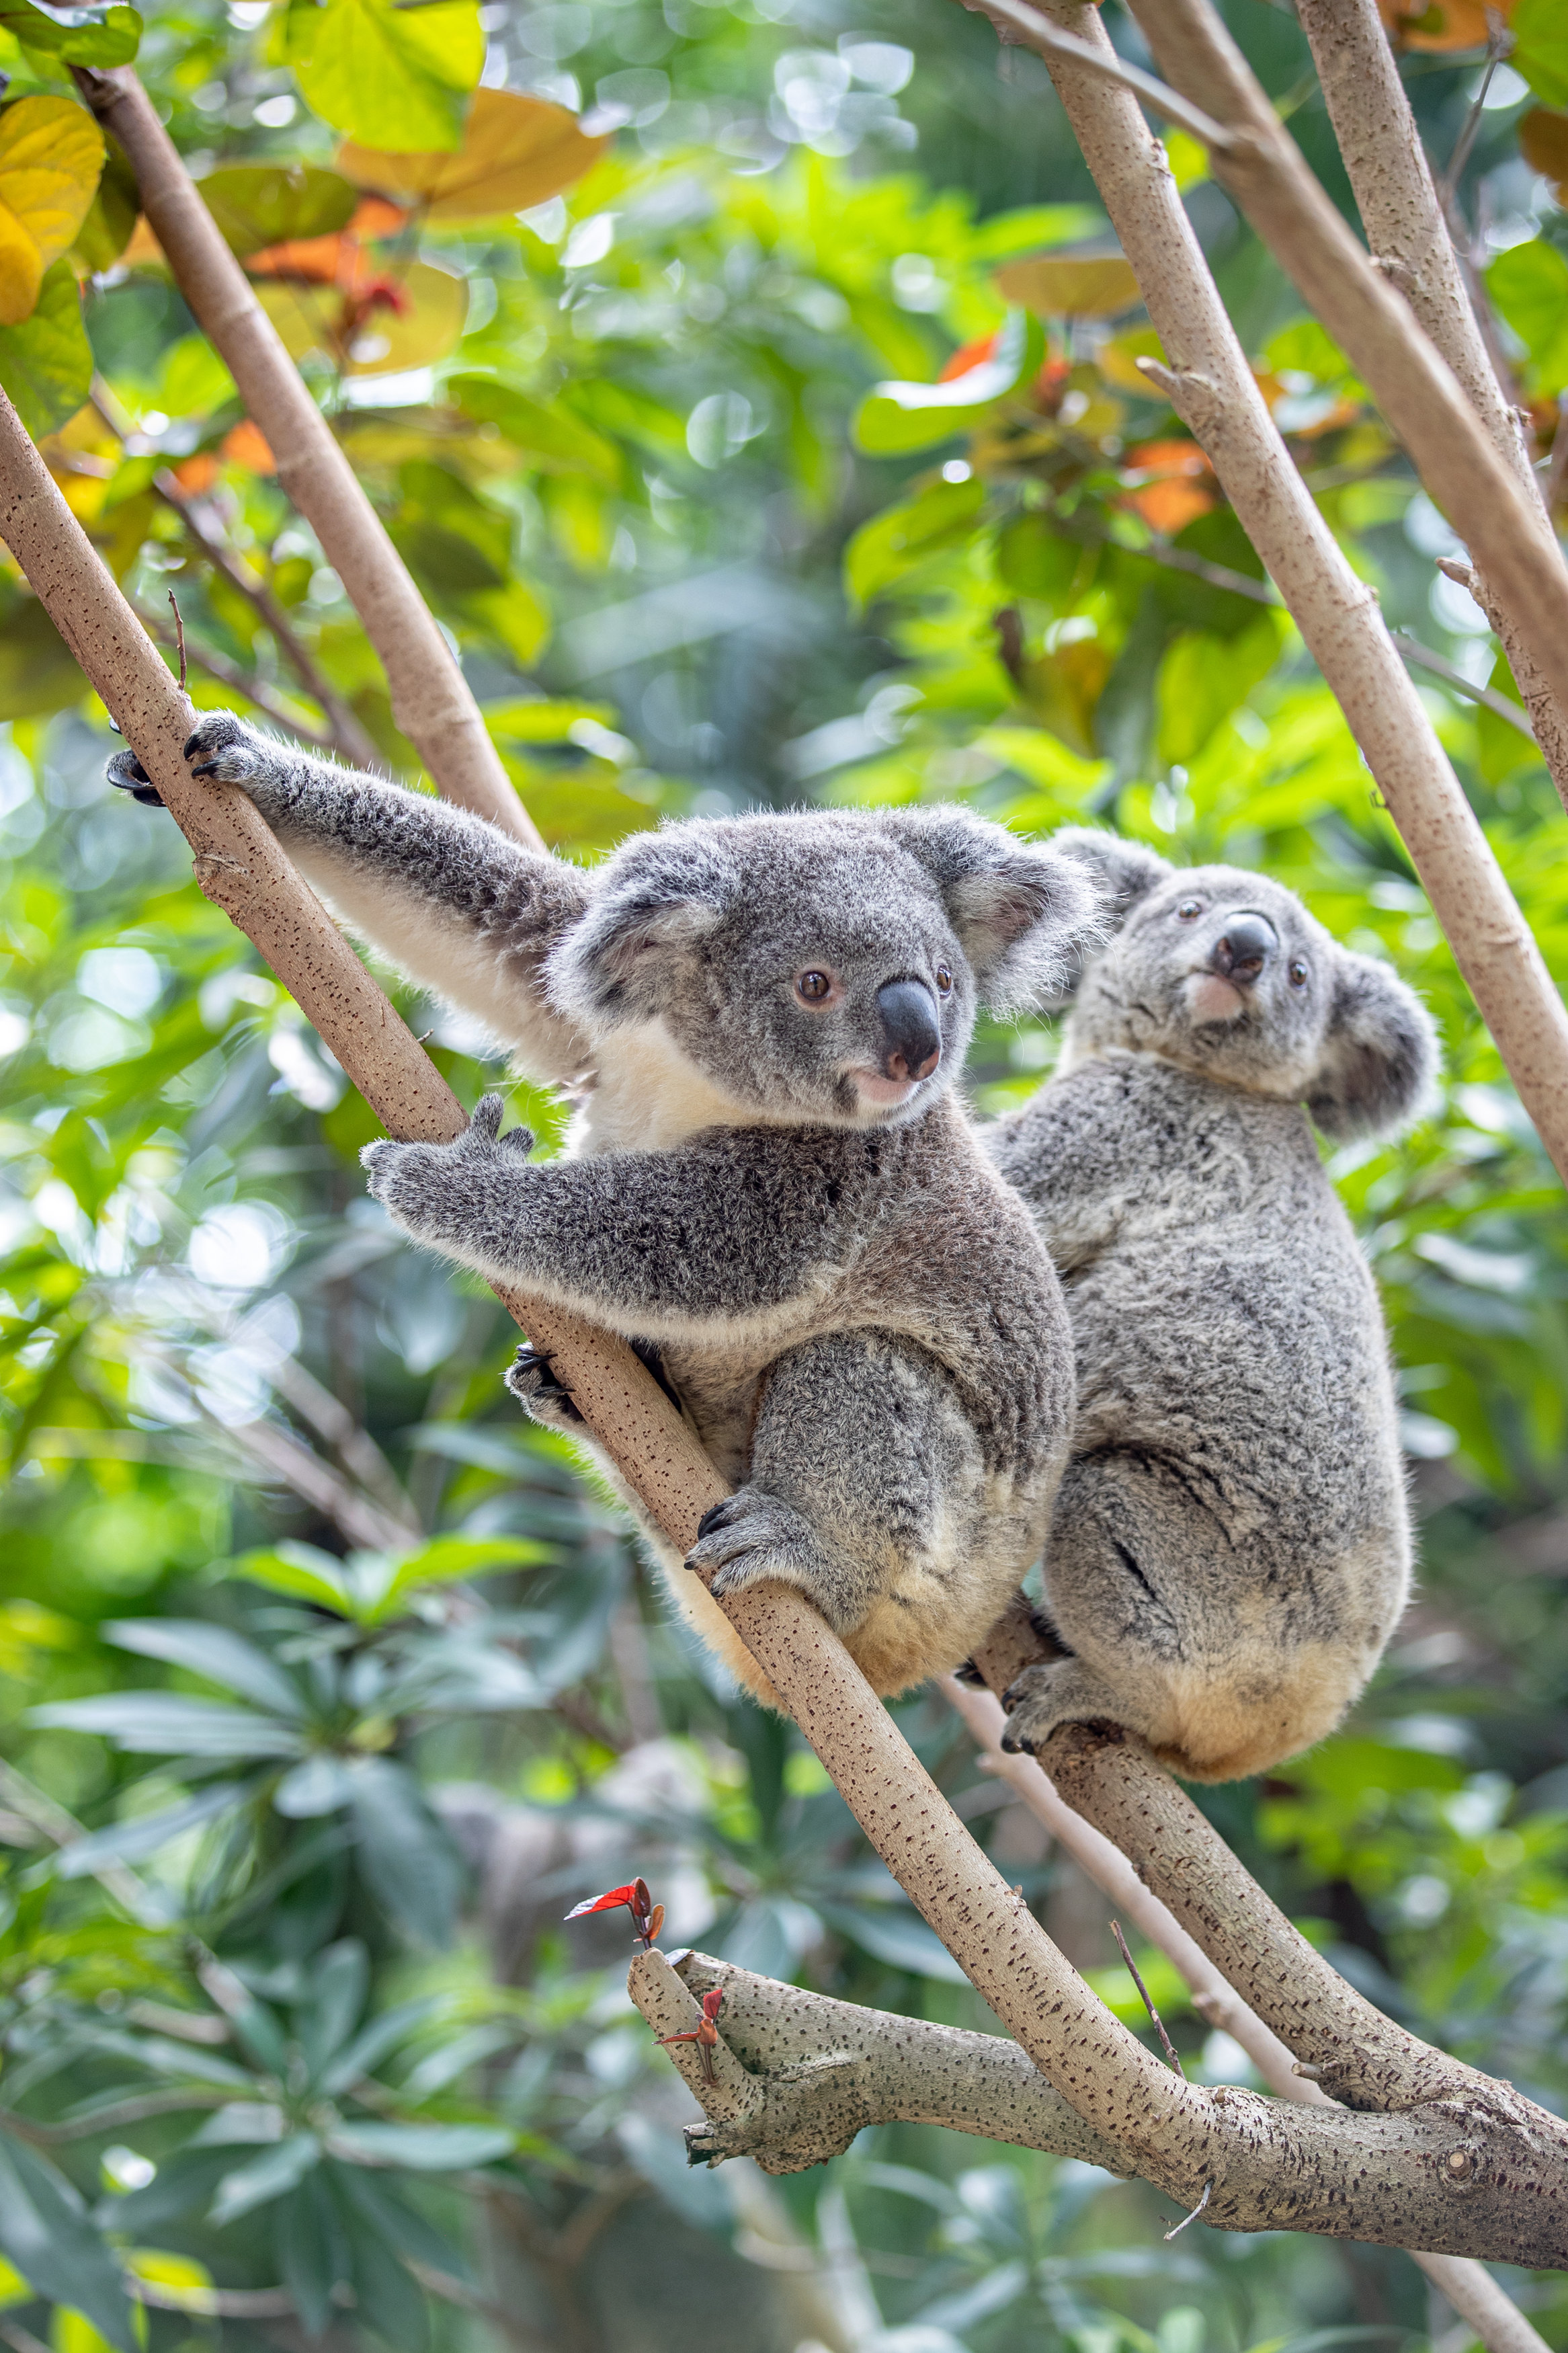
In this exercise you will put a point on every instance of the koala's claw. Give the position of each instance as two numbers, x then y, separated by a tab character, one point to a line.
533	1379
753	1538
218	747
1060	1691
125	772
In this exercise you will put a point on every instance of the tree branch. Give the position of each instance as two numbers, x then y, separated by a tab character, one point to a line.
1404	223
430	698
1501	519
1211	387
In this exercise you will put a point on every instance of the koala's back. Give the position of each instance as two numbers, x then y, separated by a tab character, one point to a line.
1236	1456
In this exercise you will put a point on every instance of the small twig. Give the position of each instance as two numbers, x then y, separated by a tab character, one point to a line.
179	636
1449	182
1170	2047
240	682
1193	2217
1042	35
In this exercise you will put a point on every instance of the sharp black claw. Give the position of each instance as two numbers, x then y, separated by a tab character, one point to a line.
714	1517
970	1675
207	768
190	743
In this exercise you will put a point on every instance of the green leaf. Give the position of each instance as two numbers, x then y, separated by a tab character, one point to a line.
299	1570
902	536
111	216
46	361
897	1937
213	1652
445	1558
267	2177
1036	560
145	1834
257	205
1529	284
896	417
425	2148
38	671
312	2249
1540	50
1204	679
159	1724
407	1859
45	2231
394	77
76	36
552	438
341	1980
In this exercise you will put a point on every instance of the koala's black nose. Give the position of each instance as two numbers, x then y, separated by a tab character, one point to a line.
1244	947
912	1037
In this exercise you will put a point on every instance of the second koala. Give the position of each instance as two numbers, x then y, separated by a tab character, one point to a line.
771	1187
1230	1548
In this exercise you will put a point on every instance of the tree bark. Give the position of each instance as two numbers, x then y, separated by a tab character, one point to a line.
1409	238
1500	519
430	698
1211	387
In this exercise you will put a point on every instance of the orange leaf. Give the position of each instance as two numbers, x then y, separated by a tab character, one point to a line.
1168	507
1438	25
198	474
1543	144
246	446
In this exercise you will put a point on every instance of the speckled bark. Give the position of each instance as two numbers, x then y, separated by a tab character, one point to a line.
1503	523
1213	388
1407	232
430	698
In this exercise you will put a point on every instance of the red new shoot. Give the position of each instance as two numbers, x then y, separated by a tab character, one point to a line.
648	1917
705	2036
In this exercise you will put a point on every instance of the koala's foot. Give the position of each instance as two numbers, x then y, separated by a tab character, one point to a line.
753	1538
542	1394
1060	1691
125	772
423	1184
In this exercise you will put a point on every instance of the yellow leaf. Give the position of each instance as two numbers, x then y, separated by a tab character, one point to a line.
427	325
51	155
1067	286
516	153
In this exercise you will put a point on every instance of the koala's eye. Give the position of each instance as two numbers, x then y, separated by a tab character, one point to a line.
1189	910
1298	975
816	987
944	981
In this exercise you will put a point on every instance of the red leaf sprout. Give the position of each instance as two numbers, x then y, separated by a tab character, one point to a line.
648	1917
705	2035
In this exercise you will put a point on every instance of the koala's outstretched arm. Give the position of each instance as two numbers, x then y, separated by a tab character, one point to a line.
733	1225
452	900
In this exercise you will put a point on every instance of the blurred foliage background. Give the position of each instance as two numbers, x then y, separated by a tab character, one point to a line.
773	434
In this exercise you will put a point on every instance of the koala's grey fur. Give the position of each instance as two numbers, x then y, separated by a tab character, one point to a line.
854	1311
1230	1548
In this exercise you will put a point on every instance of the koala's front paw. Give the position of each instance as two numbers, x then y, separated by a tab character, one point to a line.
533	1379
1060	1691
753	1538
223	748
126	775
423	1184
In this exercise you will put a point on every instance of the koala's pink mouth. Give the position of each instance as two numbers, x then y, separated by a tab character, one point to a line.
883	1094
1210	999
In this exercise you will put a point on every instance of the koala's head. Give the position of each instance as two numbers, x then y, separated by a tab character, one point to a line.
1226	974
823	968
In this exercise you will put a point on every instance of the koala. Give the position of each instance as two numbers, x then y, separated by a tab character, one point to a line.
770	1186
1230	1548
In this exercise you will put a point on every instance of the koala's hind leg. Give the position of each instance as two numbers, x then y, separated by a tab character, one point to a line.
866	1490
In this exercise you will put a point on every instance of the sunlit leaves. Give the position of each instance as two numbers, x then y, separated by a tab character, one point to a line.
405	319
1058	286
894	542
46	2234
1539	49
397	77
45	361
897	417
51	152
1529	283
548	435
257	205
370	1588
75	36
516	152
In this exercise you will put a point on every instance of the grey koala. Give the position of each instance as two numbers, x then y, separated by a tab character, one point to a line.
1230	1548
770	1186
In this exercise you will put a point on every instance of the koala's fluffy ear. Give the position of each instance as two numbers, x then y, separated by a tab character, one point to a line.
653	903
1380	1056
1124	871
1023	914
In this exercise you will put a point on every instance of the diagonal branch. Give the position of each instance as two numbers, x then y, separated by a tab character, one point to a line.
430	698
1211	387
1500	518
1403	219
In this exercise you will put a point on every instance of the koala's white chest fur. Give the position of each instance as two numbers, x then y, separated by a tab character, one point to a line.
647	1096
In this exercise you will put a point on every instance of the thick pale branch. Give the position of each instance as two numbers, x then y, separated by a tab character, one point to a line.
1407	232
1500	519
1213	388
430	697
